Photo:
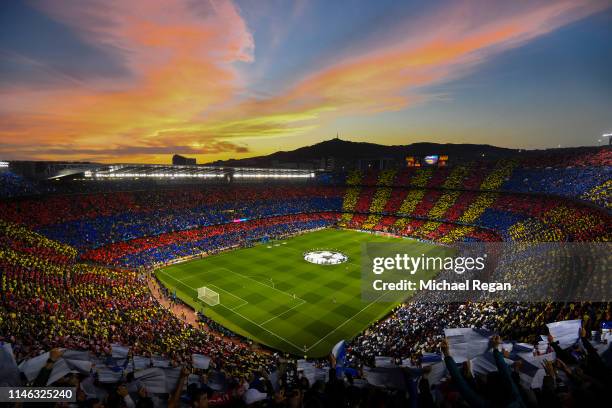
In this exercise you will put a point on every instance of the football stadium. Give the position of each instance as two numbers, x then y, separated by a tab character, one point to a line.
167	239
135	274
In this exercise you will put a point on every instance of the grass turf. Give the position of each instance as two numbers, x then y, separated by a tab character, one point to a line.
269	294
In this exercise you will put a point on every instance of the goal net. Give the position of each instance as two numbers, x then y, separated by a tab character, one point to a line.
208	296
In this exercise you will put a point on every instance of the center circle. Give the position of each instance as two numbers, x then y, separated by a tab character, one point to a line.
325	257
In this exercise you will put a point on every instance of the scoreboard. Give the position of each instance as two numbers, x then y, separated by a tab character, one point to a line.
430	160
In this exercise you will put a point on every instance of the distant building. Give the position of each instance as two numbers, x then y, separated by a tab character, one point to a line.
178	160
378	163
327	163
277	164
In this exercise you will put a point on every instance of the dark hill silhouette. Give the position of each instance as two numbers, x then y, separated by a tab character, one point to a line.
348	151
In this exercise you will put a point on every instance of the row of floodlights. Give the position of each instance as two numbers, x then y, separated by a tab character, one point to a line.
198	175
273	175
4	164
169	175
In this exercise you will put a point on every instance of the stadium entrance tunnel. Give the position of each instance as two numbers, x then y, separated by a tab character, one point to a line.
325	257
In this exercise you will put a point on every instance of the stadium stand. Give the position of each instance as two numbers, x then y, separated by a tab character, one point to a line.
13	185
75	273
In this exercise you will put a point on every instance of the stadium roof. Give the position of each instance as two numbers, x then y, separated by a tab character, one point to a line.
60	170
192	171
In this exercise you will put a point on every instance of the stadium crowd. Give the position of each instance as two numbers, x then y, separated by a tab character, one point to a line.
411	339
55	294
92	220
159	249
418	327
514	217
14	185
50	302
576	174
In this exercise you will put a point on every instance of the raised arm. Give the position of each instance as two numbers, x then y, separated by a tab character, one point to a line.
471	397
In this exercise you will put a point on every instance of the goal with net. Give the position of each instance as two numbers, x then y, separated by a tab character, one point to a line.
208	296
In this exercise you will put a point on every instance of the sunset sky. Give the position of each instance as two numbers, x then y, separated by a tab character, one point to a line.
135	81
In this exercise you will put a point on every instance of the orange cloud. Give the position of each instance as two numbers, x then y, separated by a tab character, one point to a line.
391	75
388	76
179	55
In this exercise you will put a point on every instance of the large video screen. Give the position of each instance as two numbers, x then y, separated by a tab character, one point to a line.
431	160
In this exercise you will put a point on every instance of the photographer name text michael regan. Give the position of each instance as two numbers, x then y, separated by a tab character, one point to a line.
441	285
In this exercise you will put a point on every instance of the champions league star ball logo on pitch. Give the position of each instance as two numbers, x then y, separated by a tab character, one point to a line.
325	257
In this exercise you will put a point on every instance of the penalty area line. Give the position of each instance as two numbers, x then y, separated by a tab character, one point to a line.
286	311
244	302
259	282
233	310
348	320
263	328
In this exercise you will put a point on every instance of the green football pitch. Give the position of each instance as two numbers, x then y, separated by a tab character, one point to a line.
270	294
